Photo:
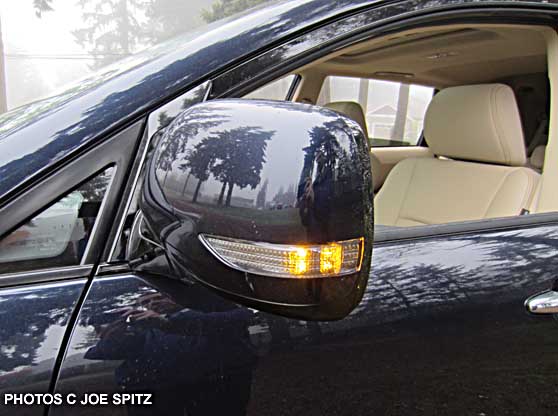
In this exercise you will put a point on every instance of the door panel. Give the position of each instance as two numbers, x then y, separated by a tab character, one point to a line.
441	330
383	159
33	320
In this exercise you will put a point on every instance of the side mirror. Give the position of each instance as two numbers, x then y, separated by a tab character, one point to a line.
267	203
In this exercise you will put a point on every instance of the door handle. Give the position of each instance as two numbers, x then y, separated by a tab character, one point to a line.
543	303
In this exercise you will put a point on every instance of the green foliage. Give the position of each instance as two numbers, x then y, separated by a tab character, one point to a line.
224	8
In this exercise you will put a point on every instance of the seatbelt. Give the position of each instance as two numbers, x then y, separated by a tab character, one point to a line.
540	136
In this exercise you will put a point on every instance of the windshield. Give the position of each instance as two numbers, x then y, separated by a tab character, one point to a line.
57	48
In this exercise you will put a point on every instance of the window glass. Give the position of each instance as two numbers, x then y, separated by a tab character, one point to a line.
394	111
157	122
276	90
57	236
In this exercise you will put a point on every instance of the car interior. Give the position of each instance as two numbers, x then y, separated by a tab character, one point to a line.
457	118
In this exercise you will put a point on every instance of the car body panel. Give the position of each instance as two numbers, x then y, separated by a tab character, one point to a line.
441	330
33	320
36	136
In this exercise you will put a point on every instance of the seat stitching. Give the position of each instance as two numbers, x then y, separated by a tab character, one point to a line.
502	181
494	109
406	189
531	187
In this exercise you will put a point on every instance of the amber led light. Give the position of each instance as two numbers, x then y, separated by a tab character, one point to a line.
290	261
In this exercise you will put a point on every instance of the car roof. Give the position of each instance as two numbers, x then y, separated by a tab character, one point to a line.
35	137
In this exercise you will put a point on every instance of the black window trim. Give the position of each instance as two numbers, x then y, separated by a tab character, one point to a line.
246	77
293	87
114	151
238	81
144	146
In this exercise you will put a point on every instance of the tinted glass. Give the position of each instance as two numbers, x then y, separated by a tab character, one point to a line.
58	235
394	111
276	90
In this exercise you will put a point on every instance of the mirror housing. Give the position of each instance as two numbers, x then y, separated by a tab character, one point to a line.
268	203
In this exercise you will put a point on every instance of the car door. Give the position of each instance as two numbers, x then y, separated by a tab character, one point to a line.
45	263
441	329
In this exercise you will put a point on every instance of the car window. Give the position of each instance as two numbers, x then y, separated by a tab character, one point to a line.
59	234
276	90
394	111
157	123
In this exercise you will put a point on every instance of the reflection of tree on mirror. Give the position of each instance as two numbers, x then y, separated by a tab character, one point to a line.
321	159
241	158
177	135
262	195
234	157
200	160
285	198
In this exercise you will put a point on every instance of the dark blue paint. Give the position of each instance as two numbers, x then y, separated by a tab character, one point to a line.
322	156
441	330
33	320
34	137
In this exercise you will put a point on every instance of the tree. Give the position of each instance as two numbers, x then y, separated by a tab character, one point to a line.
163	120
166	18
200	160
175	137
225	8
241	156
262	193
111	28
42	6
286	198
279	195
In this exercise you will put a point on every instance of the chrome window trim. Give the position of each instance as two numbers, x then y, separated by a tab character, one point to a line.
250	75
147	142
389	234
45	275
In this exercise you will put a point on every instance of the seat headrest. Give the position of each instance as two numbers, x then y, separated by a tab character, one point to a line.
476	123
351	109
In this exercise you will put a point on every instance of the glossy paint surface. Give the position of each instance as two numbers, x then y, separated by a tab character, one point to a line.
441	330
35	136
205	176
33	320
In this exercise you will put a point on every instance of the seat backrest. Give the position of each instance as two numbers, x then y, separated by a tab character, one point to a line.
351	109
477	129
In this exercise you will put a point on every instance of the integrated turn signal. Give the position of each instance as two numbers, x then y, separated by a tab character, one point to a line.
291	261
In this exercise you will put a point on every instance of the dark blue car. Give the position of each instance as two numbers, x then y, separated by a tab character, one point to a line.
317	208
